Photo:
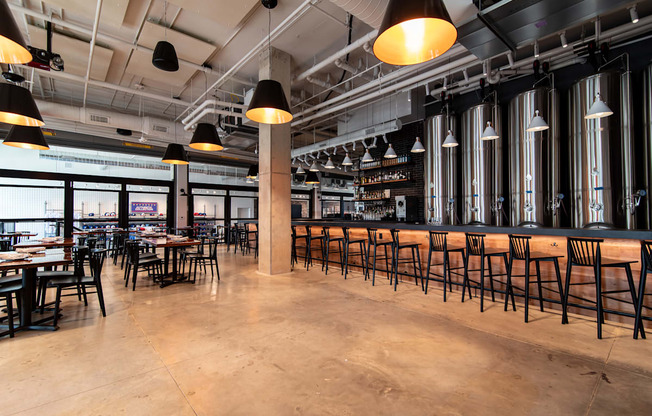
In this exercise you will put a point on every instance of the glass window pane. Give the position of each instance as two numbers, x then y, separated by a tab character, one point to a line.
243	208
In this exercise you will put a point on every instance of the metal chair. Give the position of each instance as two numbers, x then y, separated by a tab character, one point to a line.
328	239
586	252
310	239
646	267
374	239
295	238
475	247
438	244
347	252
415	260
519	249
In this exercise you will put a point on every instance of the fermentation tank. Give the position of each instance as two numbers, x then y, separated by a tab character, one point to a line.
440	171
601	154
534	160
646	181
481	167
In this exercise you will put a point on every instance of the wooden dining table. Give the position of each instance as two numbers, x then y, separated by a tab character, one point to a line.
171	245
65	243
29	267
15	236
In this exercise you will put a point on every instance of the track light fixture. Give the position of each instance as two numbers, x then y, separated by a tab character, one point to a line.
347	160
562	39
450	140
489	133
418	147
390	153
633	14
536	48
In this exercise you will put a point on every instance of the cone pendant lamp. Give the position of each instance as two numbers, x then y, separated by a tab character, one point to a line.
26	138
414	31
206	138
18	107
13	49
175	154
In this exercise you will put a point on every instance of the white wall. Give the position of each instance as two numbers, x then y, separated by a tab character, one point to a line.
242	207
212	206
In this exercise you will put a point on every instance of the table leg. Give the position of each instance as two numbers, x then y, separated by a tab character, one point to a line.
174	264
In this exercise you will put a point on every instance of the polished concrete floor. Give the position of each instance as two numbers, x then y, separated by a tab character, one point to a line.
306	343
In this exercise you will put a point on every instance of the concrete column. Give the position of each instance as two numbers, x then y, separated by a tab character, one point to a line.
180	202
274	213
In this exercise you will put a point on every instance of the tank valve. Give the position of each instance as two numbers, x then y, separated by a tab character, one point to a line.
451	205
634	201
596	206
498	205
555	204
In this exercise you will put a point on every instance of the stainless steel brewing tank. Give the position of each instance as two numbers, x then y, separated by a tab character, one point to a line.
534	160
601	159
440	171
481	166
646	181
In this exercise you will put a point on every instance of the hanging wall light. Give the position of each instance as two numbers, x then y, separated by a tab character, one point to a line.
599	109
13	49
390	153
252	173
312	178
489	133
175	154
17	106
165	57
300	170
367	157
206	138
450	140
26	138
347	160
269	104
314	167
537	123
418	147
329	164
414	31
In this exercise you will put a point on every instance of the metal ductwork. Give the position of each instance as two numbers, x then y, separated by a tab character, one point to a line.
482	171
503	25
369	11
534	160
601	154
440	172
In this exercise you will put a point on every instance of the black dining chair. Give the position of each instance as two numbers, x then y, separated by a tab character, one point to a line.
153	265
646	268
8	290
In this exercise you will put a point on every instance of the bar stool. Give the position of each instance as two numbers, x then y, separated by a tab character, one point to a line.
251	236
519	249
373	240
646	267
585	252
296	237
416	259
347	244
328	239
310	239
438	244
475	247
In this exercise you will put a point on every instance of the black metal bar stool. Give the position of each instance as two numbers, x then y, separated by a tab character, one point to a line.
416	258
585	252
438	243
646	267
310	239
374	239
475	247
519	249
297	237
328	239
347	244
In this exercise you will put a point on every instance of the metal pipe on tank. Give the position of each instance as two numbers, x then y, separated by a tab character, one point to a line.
626	206
647	136
440	171
480	186
554	197
531	170
591	144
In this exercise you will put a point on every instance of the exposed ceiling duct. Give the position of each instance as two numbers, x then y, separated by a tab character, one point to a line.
510	24
369	11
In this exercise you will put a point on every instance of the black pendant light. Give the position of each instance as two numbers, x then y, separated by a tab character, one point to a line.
13	49
165	57
26	138
175	154
206	138
18	107
252	173
269	104
414	31
312	178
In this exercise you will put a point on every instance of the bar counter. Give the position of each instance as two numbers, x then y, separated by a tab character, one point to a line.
618	244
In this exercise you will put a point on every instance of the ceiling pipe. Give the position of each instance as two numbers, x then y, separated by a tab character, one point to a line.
338	55
434	73
96	24
192	117
381	81
255	51
369	11
325	84
208	111
113	40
